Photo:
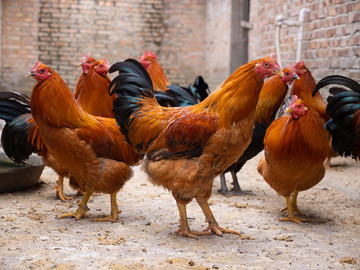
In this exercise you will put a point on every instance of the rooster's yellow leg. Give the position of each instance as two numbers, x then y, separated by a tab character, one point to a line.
213	225
114	210
184	225
290	215
294	203
81	212
60	190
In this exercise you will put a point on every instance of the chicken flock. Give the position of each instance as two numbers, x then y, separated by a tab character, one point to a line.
183	137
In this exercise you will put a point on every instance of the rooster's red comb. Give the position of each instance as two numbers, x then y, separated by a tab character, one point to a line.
148	53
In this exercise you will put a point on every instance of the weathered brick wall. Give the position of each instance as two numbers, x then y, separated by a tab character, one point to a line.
331	43
191	37
59	32
19	48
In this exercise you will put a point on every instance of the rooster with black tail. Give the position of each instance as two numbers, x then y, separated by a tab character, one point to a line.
344	109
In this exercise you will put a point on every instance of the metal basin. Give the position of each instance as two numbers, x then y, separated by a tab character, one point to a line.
15	176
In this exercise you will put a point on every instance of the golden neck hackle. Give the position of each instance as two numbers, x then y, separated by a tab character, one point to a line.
53	103
236	97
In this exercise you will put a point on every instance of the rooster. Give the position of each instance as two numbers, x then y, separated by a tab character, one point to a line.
187	147
270	99
86	62
19	136
91	90
156	72
91	93
303	88
344	109
296	146
168	94
91	148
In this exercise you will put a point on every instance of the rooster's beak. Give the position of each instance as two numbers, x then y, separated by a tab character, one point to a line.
288	110
30	73
295	76
279	72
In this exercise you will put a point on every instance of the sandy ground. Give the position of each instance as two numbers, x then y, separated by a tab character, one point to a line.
33	238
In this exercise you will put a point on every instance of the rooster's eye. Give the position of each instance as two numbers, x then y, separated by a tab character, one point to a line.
42	71
287	73
266	65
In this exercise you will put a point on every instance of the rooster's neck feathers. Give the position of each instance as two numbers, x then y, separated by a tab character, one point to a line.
270	99
63	111
236	97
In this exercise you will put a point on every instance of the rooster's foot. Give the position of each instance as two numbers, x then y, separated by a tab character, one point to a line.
187	233
60	195
219	231
81	212
113	217
294	219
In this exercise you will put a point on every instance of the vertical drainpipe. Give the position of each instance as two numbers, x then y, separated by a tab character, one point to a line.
281	21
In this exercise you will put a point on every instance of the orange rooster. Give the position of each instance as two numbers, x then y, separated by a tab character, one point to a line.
303	88
92	90
296	147
91	93
16	140
91	148
86	62
344	108
169	95
187	147
157	74
270	99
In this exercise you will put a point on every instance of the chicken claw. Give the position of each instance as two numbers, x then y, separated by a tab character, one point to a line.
291	207
186	232
81	212
216	229
114	210
60	190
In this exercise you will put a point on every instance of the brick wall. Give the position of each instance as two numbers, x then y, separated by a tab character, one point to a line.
60	32
19	48
191	37
331	42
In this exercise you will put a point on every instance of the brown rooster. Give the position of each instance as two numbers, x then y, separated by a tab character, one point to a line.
92	95
92	90
303	88
270	99
90	148
157	74
187	147
296	147
86	62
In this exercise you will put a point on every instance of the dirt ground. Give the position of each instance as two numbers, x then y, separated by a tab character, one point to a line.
33	238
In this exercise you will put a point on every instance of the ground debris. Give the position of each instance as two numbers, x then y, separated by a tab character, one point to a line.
284	238
348	260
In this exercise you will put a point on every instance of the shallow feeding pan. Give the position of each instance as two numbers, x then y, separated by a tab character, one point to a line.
14	176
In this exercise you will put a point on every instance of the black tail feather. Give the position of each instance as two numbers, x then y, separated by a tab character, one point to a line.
131	85
342	106
14	139
337	79
13	104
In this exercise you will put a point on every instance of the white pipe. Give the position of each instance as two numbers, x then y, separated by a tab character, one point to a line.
279	20
302	13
